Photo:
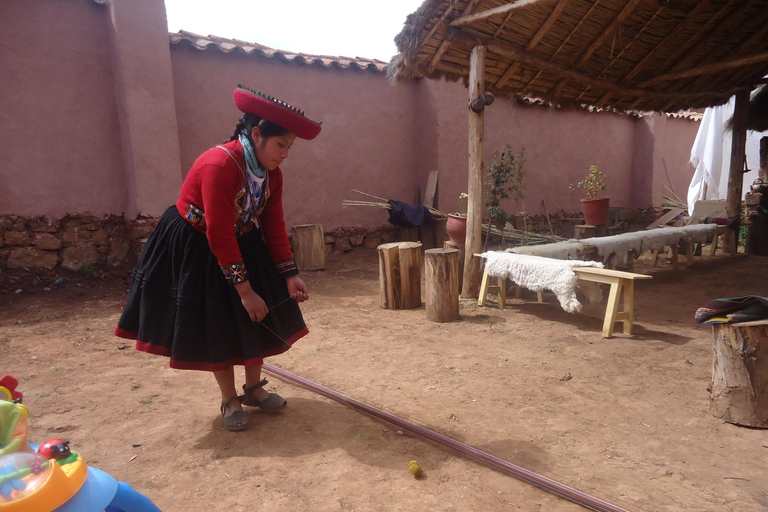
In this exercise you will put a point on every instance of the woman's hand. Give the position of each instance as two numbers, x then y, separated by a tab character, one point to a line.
297	289
252	302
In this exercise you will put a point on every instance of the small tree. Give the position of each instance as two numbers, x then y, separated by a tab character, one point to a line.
505	179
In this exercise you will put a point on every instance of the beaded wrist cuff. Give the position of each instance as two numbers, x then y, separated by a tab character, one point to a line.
236	273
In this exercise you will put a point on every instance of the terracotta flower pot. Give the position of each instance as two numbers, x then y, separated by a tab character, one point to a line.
595	211
456	226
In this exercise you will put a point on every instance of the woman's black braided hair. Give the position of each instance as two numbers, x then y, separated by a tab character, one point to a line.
267	128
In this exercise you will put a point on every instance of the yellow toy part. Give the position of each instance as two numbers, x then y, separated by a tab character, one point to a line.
29	481
13	428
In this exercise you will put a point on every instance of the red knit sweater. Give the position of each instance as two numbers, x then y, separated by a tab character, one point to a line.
212	186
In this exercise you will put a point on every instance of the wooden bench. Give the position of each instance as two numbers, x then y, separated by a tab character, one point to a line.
621	283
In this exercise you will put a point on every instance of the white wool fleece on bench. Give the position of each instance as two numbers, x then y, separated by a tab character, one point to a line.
537	273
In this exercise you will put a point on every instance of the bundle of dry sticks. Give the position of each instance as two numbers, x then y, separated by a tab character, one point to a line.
510	235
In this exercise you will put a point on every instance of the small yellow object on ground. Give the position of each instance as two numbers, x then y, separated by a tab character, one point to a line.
415	469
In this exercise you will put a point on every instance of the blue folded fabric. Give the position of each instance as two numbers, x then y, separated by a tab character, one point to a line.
408	215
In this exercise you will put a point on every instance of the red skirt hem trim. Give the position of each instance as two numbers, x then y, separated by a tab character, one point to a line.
144	346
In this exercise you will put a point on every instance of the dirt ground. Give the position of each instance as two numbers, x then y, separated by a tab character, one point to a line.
624	419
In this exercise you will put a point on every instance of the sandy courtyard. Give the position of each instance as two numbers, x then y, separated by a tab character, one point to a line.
624	419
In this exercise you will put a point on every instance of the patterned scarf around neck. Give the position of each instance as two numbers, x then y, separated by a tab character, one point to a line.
250	157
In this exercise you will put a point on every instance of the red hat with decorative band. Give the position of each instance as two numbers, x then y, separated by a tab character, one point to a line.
276	111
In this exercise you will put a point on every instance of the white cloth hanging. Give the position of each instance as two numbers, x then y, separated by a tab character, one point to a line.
711	156
707	158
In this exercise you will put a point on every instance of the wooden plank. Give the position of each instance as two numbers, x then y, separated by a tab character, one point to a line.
664	219
610	272
429	193
708	208
309	246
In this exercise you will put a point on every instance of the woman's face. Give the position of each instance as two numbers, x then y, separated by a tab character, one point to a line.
271	152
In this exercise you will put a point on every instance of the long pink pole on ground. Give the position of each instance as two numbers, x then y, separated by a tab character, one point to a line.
578	497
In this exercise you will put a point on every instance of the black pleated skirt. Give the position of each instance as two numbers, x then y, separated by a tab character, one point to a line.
181	306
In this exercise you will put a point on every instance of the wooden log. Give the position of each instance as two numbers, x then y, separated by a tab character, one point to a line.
442	285
739	391
450	245
309	246
411	255
389	278
400	275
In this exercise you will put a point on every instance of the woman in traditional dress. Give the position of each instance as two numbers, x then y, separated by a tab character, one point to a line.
216	284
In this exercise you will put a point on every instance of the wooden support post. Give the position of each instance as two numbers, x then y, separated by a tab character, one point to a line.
441	277
675	256
473	241
721	232
738	155
763	172
400	275
309	246
740	373
690	248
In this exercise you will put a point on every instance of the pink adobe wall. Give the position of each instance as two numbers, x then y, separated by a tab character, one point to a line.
143	92
560	145
60	148
664	158
100	115
368	141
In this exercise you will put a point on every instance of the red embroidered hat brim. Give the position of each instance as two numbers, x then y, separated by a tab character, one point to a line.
278	112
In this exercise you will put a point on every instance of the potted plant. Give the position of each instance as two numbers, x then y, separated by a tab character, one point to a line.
456	225
505	179
594	207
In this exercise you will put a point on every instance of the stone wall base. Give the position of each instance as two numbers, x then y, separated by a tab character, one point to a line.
86	243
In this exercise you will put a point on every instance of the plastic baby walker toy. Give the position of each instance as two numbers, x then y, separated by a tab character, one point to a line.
51	477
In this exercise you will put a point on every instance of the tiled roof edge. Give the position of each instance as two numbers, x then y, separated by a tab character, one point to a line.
225	45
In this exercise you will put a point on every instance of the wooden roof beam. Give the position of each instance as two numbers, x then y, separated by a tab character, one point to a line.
725	24
446	42
758	34
438	56
627	46
608	31
640	66
523	57
503	24
696	83
468	20
565	41
715	67
695	39
614	25
538	36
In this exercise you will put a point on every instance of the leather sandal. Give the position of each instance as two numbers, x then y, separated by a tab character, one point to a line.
272	403
236	421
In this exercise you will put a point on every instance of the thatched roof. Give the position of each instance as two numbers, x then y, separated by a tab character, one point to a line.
624	55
